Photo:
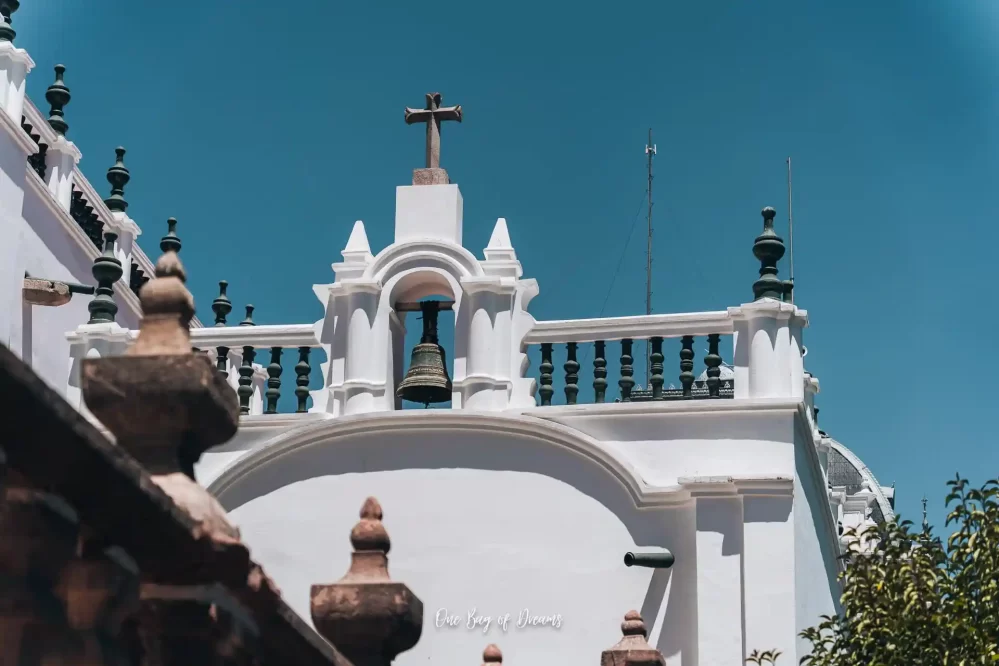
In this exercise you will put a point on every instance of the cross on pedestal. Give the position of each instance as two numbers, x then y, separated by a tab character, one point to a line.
432	115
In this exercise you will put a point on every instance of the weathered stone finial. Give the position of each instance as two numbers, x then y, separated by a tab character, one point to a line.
58	97
165	405
492	655
170	242
633	649
118	177
221	306
7	8
432	115
370	618
106	270
768	248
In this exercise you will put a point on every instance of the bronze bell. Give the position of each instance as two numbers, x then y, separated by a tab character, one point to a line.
427	380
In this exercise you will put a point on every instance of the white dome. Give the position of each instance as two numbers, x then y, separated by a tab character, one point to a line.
727	373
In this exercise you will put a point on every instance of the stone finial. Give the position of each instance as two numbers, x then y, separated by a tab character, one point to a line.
106	270
167	310
58	97
370	618
492	655
633	649
221	306
170	242
768	248
7	8
118	177
164	404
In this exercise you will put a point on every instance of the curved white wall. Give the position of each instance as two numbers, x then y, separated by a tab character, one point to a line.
495	542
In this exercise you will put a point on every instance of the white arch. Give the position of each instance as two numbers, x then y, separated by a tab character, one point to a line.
400	257
413	439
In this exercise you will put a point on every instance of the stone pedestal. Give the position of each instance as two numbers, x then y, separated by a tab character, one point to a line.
768	360
60	160
430	177
15	64
428	212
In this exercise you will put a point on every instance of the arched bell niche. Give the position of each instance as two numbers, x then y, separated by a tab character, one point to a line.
404	294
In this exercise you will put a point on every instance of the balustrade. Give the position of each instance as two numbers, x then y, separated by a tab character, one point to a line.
235	350
581	337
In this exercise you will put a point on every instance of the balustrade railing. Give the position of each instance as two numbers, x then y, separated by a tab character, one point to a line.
579	339
236	349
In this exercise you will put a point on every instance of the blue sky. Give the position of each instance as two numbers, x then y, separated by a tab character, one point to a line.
267	131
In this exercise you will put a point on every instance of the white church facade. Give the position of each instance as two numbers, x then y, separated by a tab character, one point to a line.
510	516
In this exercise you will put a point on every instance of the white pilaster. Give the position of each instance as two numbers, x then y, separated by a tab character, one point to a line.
362	338
769	574
768	362
15	64
719	581
128	231
60	161
487	381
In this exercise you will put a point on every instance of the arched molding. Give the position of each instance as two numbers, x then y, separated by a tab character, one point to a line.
412	439
395	259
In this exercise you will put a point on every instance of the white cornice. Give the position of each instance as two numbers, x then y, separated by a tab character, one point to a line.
494	285
20	56
770	307
635	327
729	486
331	432
355	285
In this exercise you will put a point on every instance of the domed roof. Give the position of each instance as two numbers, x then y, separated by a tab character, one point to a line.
727	373
846	469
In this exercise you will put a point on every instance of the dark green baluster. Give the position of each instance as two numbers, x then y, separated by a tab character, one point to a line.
58	97
222	306
599	371
571	374
95	226
768	248
687	364
656	377
712	361
37	161
245	390
170	242
273	392
7	8
106	270
302	372
546	368
627	370
118	177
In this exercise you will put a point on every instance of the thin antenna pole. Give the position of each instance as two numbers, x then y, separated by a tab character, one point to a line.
650	151
790	227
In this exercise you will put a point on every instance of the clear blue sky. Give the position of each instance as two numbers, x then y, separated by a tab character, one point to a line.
267	131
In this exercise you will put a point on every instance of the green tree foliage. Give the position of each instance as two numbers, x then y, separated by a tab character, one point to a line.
911	600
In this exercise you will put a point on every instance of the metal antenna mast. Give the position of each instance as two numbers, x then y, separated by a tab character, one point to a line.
790	227
650	151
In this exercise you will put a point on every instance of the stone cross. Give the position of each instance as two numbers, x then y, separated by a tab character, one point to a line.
432	115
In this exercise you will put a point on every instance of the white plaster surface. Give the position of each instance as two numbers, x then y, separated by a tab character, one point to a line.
464	540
